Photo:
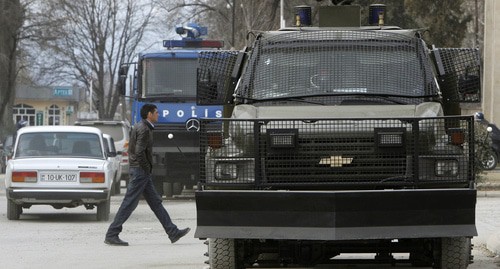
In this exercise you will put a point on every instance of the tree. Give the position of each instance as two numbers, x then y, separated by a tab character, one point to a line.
11	18
94	37
446	20
229	20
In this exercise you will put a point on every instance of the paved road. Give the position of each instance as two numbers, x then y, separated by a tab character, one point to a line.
72	238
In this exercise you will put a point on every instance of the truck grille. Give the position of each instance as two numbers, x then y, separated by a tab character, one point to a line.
326	159
323	152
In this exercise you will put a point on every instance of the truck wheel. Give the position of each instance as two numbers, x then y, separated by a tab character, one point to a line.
103	210
221	253
167	189
13	210
177	188
455	253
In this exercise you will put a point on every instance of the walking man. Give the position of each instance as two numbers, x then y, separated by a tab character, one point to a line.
141	181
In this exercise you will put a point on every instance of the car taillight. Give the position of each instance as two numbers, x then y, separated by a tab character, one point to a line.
24	176
125	154
92	177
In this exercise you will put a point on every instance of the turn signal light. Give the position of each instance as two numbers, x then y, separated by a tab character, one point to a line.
215	140
24	176
92	177
456	136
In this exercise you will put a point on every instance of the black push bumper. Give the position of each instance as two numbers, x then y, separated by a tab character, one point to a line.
336	215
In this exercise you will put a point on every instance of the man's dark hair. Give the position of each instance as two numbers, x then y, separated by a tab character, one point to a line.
146	108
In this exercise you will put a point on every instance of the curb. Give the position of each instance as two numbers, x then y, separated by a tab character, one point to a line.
488	186
493	243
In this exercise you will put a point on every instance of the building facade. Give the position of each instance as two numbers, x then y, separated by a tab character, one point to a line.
46	105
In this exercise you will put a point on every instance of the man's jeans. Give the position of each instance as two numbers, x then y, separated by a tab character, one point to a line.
141	183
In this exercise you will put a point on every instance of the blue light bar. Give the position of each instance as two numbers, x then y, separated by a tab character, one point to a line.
193	44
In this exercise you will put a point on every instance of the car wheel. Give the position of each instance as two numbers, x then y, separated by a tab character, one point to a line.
490	162
13	210
117	187
103	210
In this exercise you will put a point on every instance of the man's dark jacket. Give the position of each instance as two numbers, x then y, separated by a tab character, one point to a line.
140	148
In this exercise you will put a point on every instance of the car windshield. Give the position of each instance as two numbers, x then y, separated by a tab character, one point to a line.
60	144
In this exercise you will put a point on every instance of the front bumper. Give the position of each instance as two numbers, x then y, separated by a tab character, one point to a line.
336	215
51	196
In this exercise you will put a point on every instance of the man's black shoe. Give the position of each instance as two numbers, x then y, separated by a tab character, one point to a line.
179	234
115	241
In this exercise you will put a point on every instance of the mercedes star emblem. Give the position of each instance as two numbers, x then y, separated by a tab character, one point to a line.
193	125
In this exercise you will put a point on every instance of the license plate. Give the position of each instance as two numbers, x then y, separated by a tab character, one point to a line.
59	177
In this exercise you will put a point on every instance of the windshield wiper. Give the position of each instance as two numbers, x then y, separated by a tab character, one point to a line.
289	98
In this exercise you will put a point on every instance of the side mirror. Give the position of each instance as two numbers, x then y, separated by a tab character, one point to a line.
122	78
111	154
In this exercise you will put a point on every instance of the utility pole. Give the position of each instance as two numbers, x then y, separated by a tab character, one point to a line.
233	10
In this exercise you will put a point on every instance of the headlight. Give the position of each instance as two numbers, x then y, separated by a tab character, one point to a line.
446	168
226	171
282	138
390	137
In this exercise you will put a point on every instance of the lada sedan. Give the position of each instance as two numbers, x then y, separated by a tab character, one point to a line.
61	166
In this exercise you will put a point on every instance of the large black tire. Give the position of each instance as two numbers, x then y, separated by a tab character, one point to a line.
168	189
103	210
177	188
13	210
455	253
221	253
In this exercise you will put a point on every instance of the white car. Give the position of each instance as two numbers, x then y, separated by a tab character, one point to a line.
61	166
120	131
116	160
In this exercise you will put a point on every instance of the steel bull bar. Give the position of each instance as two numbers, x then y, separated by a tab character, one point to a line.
336	215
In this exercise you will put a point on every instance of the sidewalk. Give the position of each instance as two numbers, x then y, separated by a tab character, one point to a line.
491	181
489	186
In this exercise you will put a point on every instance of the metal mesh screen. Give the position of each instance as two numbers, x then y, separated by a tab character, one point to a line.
214	76
337	152
338	63
460	73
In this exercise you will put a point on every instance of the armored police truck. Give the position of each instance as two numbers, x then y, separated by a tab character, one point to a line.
337	140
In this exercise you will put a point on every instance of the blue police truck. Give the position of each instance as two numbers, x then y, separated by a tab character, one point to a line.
167	78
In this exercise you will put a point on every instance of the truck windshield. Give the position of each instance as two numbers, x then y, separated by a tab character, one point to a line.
352	66
169	77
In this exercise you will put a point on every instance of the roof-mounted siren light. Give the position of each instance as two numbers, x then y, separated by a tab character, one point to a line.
191	31
376	15
191	38
303	16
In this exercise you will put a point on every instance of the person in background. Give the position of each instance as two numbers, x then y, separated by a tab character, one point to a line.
141	181
495	133
20	124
